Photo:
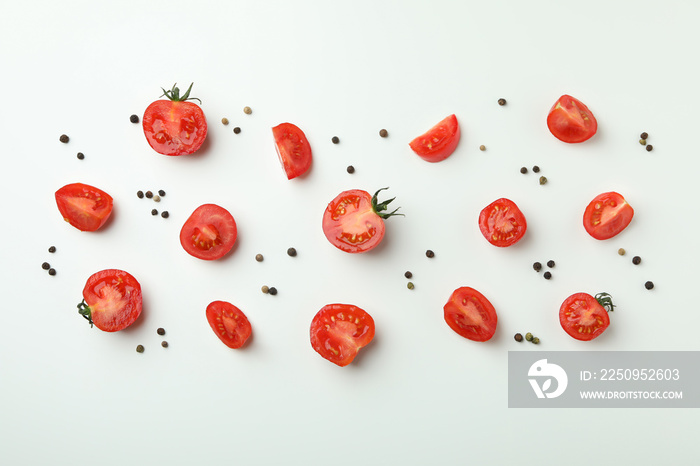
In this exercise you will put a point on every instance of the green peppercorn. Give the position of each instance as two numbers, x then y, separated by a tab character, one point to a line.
543	180
410	285
536	341
643	142
528	336
139	349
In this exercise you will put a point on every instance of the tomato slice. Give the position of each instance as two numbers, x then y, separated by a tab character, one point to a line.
583	317
607	215
85	207
569	120
502	223
175	126
229	323
470	314
293	149
112	300
338	331
209	233
439	142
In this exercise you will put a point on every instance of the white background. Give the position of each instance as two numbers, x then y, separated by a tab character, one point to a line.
419	393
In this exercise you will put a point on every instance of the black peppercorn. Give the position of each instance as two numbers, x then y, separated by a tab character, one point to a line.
649	285
134	118
383	133
408	274
46	266
536	169
52	249
259	257
350	169
650	148
52	271
161	192
537	266
501	102
139	349
523	170
429	253
518	337
160	331
139	194
64	138
644	135
80	156
550	263
636	260
272	290
237	130
335	140
154	212
164	344
165	214
547	275
291	252
149	194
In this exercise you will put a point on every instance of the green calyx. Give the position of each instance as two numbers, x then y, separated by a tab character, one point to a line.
605	300
174	94
379	208
85	311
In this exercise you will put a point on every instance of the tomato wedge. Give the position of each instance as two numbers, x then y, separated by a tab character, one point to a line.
354	221
585	317
338	331
209	233
175	126
569	120
229	323
607	215
439	142
470	314
111	300
502	223
85	207
293	149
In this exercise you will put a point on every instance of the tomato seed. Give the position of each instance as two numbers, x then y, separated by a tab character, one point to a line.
429	253
139	349
46	266
536	169
160	331
523	170
164	344
350	169
224	121
161	193
644	135
165	214
52	249
621	251
543	180
410	285
291	252
383	133
550	263
134	118
139	194
537	266
335	140
649	285
650	148
501	102
518	337
265	289
154	212
259	257
547	275
236	130
643	142
536	341
528	336
408	274
272	290
64	138
247	110
482	147
80	156
636	260
149	194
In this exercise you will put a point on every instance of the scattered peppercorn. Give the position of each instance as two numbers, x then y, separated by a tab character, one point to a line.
160	331
154	212
165	214
259	257
650	148
335	140
537	266
80	156
410	285
408	274
518	337
156	198
134	118
52	249
291	252
272	290
164	344
547	275
52	271
636	260
643	142
501	102
383	133
161	193
528	336
64	138
247	110
543	180
46	266
523	170
482	147
149	194
644	135
649	285
139	349
621	251
536	169
236	130
536	341
350	169
139	194
550	263
224	121
265	289
429	253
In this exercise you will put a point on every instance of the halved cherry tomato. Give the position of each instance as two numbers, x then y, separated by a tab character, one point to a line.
229	323
607	215
470	314
85	207
111	300
439	142
209	233
585	317
175	126
293	149
338	331
569	120
353	221
502	223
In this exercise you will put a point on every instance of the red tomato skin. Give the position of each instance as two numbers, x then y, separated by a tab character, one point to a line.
293	149
174	128
473	327
505	213
114	298
439	142
602	227
347	210
85	207
587	304
343	329
209	223
569	120
229	323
